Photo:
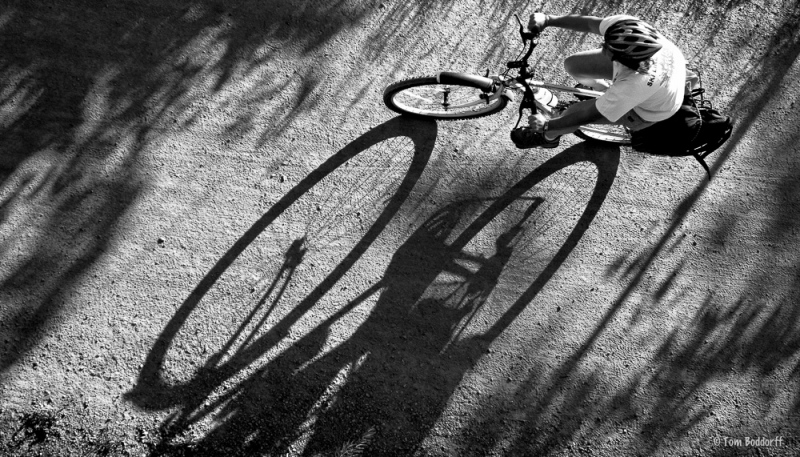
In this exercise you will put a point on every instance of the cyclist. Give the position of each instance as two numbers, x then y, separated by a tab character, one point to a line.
642	74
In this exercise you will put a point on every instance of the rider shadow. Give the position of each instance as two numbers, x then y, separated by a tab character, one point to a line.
470	291
388	383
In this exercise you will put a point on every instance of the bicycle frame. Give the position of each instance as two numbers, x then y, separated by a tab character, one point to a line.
518	87
511	87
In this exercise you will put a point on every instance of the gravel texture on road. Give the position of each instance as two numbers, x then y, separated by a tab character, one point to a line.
215	240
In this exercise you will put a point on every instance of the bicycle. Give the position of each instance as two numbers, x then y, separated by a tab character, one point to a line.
453	95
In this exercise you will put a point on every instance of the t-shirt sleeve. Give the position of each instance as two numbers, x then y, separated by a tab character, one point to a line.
624	95
607	22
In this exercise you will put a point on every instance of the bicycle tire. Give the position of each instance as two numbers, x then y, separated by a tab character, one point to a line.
603	133
446	96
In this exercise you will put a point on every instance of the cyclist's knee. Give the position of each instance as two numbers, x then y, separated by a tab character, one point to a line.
573	65
579	68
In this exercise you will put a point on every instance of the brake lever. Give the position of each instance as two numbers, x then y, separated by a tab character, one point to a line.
525	34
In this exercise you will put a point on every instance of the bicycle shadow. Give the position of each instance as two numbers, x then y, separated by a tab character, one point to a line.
390	380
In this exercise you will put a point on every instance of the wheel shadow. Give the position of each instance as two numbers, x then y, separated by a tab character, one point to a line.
153	392
385	385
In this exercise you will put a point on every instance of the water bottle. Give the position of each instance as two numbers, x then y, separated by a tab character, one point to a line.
545	99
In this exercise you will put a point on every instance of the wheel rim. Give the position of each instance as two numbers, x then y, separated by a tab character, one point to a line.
607	132
443	100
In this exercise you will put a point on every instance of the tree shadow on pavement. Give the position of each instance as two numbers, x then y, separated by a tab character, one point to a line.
721	369
754	327
385	385
88	92
69	167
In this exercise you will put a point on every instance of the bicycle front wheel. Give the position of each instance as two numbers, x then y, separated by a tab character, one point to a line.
448	96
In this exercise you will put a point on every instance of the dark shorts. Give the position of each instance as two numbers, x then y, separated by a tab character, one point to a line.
633	121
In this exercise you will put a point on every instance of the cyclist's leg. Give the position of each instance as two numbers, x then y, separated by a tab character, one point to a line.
631	120
591	68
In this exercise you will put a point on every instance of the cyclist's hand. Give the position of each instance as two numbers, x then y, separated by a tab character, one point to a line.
536	122
537	22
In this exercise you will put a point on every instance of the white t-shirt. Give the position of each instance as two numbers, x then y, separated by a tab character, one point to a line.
654	95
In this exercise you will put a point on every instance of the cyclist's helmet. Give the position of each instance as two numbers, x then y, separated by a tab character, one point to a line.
632	40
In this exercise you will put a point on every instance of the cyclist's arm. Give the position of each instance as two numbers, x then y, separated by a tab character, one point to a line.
586	24
575	116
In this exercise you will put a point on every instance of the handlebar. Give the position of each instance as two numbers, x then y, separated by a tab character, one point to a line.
526	36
